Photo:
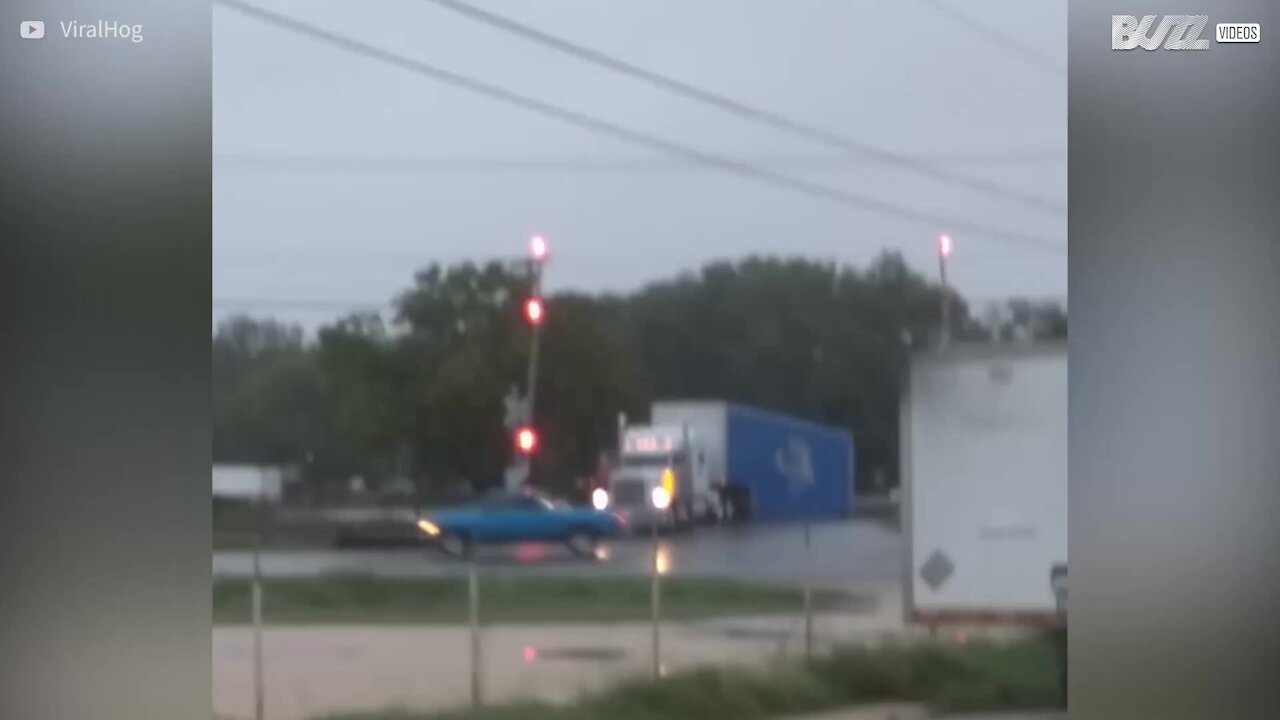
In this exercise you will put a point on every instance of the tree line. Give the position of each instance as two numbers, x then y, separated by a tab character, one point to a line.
418	402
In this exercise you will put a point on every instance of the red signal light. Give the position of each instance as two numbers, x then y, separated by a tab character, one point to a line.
534	312
526	440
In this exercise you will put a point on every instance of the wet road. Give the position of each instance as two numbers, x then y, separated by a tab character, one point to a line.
843	554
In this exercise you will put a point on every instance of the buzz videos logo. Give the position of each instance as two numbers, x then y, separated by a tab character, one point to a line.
1175	32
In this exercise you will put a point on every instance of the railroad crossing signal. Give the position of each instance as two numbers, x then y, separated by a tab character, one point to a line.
526	440
534	311
515	409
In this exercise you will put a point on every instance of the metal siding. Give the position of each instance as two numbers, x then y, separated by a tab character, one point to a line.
796	469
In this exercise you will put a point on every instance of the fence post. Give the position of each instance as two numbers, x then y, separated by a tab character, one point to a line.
808	594
473	601
655	602
259	685
1058	580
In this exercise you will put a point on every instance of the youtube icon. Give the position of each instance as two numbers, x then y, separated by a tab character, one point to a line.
31	29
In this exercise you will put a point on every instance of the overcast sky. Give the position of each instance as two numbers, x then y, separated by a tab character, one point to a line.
902	75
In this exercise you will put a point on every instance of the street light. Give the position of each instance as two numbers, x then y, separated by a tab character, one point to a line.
945	247
538	248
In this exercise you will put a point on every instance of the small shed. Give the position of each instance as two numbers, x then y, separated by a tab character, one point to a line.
248	483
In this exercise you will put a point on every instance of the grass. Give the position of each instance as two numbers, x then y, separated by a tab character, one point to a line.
976	677
366	599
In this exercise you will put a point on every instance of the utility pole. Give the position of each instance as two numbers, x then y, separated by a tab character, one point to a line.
473	625
944	252
808	593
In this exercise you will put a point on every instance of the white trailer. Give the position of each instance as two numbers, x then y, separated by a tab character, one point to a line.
984	480
248	483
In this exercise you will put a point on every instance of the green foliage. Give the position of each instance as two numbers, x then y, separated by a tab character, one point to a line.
368	599
423	399
977	677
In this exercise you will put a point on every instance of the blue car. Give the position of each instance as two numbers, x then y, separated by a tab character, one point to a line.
518	517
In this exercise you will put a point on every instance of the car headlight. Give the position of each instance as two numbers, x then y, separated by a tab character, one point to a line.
428	527
600	498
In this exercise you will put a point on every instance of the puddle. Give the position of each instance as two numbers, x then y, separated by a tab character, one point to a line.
581	654
746	633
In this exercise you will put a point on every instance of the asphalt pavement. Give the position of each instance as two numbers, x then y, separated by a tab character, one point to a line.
851	553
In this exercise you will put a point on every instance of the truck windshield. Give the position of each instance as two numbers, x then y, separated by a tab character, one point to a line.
652	461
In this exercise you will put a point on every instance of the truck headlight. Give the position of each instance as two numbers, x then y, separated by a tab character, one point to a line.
660	498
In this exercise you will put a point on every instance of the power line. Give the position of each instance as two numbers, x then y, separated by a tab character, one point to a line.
317	304
999	39
432	165
755	114
979	230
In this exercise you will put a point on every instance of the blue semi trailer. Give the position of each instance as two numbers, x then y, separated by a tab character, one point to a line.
715	460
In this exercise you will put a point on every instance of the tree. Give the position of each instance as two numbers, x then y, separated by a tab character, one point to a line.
1022	319
826	342
795	336
463	346
587	376
258	383
241	344
366	386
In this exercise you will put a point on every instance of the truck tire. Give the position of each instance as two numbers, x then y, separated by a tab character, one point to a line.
713	513
739	505
682	516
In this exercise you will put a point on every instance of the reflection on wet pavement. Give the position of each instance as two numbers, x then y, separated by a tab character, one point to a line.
843	554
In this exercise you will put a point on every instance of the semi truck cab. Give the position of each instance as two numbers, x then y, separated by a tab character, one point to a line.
665	456
713	457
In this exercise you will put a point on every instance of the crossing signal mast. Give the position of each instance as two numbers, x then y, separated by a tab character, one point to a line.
526	437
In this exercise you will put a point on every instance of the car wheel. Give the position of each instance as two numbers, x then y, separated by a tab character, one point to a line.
582	543
456	545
